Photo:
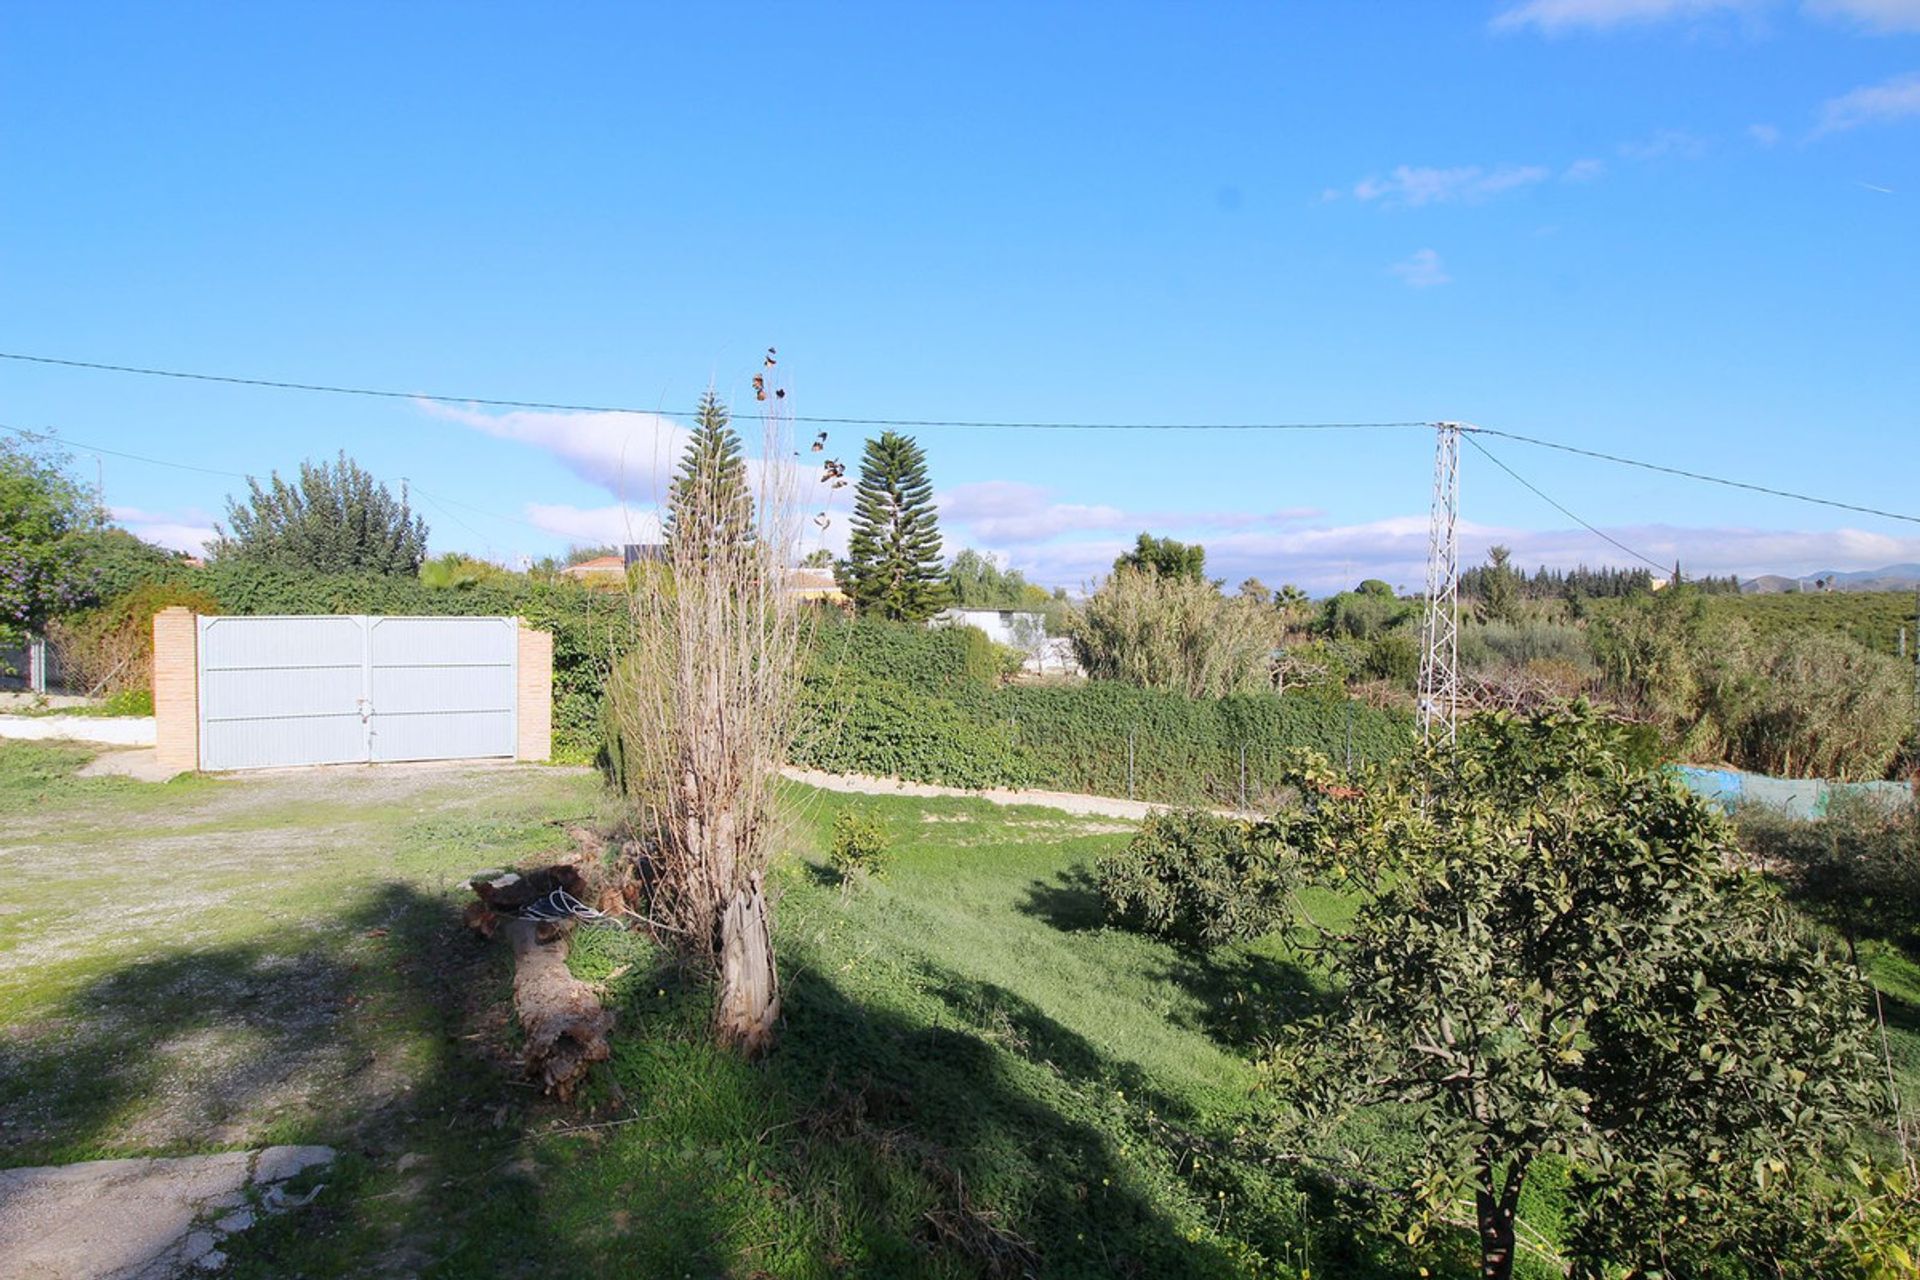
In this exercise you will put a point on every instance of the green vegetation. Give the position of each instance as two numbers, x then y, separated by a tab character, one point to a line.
860	845
926	705
45	516
1165	558
974	1076
712	477
1175	631
1194	879
336	518
1871	619
1550	958
893	568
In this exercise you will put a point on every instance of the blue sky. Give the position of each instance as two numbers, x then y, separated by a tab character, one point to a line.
1684	230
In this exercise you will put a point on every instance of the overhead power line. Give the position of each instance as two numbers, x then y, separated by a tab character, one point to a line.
50	437
1593	529
1694	475
819	420
560	407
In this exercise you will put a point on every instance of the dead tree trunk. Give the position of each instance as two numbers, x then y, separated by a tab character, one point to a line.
565	1026
749	983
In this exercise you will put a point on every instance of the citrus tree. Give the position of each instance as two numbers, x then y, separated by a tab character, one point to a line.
1551	959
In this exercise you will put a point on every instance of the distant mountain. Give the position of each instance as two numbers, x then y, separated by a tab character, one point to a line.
1895	577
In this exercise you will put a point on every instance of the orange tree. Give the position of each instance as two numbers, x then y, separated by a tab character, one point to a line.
1551	959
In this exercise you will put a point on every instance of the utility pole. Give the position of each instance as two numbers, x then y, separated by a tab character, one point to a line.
1440	631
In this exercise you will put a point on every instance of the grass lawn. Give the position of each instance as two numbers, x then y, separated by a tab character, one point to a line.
974	1077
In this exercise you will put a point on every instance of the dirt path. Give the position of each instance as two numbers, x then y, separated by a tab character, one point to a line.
1067	801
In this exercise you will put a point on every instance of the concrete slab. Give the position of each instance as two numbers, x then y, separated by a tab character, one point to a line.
143	1219
139	763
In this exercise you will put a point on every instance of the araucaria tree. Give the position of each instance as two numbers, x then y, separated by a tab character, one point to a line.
711	483
1551	958
704	707
337	518
893	568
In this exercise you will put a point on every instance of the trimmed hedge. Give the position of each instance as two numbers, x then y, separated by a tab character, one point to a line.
911	703
1187	750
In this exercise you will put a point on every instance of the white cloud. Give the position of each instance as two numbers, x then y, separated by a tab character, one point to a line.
188	531
998	514
1416	185
1333	558
1876	15
614	525
1553	17
1556	17
633	456
1422	270
1764	134
1895	99
627	454
1586	170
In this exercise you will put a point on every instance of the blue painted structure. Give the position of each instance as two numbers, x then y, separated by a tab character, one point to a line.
1796	797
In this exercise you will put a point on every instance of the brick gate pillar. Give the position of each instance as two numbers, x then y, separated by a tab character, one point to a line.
533	695
176	687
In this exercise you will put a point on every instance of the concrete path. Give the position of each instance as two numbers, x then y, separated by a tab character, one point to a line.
118	731
1067	801
149	1219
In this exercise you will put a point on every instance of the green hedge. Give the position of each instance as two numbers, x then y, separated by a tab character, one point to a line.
923	705
1186	750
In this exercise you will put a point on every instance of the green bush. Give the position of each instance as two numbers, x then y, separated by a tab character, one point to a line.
860	846
1486	644
1394	656
1192	878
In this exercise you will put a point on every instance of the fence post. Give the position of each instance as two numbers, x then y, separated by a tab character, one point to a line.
37	662
1349	737
1129	764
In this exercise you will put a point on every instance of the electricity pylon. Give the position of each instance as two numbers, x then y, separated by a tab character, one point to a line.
1440	631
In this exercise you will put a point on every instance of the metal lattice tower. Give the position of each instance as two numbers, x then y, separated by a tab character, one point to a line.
1440	632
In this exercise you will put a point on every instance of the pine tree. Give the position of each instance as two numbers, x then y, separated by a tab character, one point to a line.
893	568
712	481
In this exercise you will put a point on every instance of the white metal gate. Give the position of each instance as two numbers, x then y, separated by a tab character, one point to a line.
344	689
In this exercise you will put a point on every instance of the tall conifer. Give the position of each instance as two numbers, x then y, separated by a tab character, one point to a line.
893	568
711	485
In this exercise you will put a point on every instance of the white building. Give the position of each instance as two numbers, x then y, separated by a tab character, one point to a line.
1015	628
1020	629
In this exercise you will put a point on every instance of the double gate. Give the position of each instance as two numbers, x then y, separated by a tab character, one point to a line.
345	689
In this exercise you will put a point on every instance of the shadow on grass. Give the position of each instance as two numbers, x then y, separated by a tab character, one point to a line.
354	1037
1245	998
1070	902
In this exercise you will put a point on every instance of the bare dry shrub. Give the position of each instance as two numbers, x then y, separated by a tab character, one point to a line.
705	709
